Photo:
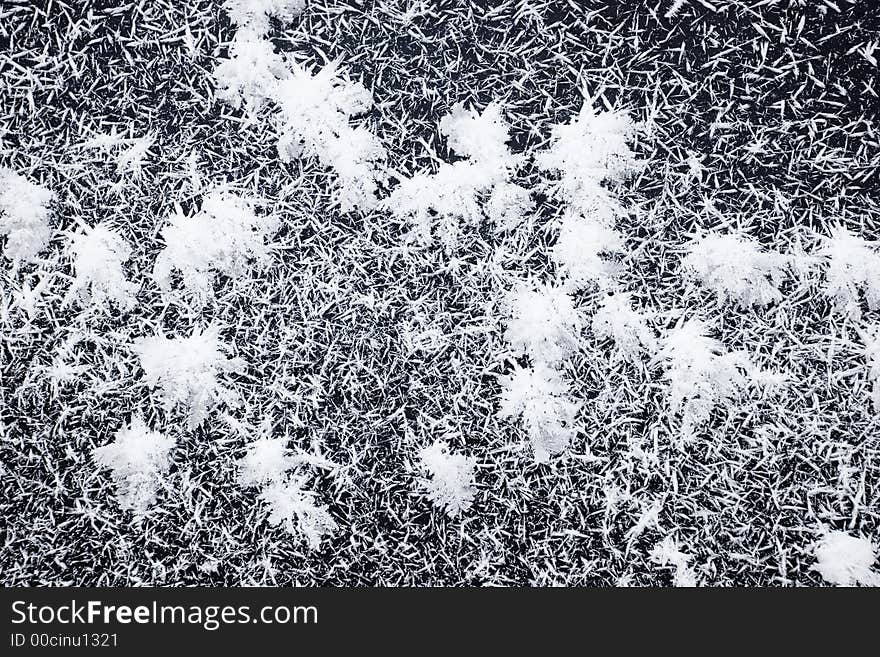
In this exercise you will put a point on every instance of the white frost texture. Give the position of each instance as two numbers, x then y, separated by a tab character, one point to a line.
701	374
668	553
853	271
543	322
299	293
254	15
735	267
588	150
267	460
316	110
617	320
225	236
539	397
438	203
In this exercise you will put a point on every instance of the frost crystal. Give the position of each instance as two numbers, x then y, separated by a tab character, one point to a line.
700	374
735	267
592	148
186	370
508	205
266	461
441	201
579	249
616	320
251	72
314	122
313	109
480	137
451	486
131	160
295	508
544	323
24	216
138	459
853	267
668	553
254	15
846	560
99	254
872	353
223	237
540	398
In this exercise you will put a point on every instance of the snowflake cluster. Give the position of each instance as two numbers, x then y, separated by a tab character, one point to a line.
451	483
846	560
138	459
316	108
294	508
581	249
853	270
627	328
313	108
736	267
250	73
539	396
543	322
186	371
668	553
466	191
99	256
700	373
255	15
24	216
266	465
223	237
591	149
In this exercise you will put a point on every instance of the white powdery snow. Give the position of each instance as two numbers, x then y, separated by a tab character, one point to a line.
627	328
294	508
853	270
543	322
439	203
735	267
700	373
224	237
315	110
267	460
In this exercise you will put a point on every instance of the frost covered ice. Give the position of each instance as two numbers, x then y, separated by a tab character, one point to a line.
534	294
